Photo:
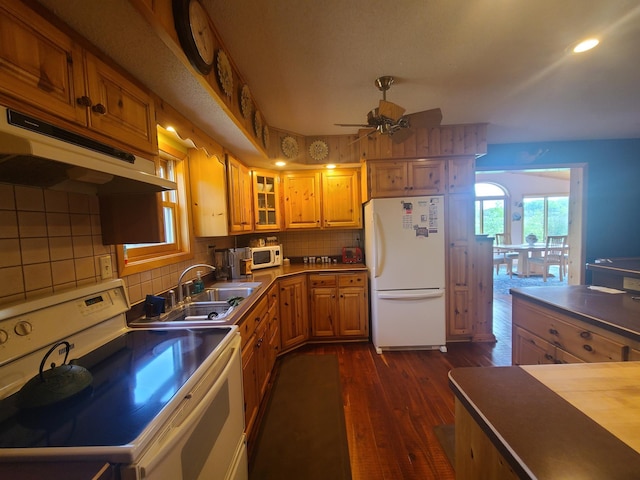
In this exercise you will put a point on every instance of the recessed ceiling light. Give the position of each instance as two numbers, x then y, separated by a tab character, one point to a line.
331	165
585	45
280	163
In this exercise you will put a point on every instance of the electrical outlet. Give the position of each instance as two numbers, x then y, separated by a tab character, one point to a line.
105	267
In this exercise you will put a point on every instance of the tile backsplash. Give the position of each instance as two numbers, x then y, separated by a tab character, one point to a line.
51	241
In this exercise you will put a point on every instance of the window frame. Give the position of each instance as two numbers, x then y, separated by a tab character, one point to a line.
160	255
478	208
545	198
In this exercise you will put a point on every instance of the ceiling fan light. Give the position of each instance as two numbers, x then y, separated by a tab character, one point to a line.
586	45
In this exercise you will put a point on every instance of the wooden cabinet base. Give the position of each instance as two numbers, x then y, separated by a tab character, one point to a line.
476	457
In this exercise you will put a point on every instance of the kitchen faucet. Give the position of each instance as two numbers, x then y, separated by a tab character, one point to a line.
197	265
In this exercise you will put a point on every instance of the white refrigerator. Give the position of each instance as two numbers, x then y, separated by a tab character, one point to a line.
405	256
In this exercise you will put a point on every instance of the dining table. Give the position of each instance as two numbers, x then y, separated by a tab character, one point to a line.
524	251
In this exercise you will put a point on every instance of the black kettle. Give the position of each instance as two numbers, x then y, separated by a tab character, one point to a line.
54	385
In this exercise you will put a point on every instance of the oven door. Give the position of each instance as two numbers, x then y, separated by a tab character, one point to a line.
204	438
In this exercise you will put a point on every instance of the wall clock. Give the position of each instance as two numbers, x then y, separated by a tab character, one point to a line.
194	32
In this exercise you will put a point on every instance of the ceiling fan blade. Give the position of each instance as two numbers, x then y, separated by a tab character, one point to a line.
368	134
426	118
390	110
401	135
352	125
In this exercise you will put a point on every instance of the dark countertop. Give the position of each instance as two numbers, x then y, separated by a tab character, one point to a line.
266	276
618	313
539	433
618	266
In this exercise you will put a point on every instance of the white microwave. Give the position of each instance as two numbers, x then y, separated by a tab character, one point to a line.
264	257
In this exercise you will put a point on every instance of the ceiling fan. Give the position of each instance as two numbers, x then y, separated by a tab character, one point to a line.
389	118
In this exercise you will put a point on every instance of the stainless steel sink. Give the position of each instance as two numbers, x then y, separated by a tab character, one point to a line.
214	312
219	292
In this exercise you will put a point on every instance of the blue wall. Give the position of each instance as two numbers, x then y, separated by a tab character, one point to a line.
613	187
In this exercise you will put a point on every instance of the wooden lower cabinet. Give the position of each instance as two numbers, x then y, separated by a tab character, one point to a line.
294	329
476	457
543	335
339	307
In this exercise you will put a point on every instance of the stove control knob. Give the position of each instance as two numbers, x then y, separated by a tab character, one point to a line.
22	328
4	336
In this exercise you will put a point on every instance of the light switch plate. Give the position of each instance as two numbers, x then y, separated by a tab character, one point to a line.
105	267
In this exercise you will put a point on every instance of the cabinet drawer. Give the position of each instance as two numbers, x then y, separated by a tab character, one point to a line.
319	280
587	345
579	341
353	279
251	320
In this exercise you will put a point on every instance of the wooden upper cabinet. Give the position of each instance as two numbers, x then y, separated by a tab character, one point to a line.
322	199
402	178
341	206
461	175
39	64
208	194
119	109
43	67
266	201
239	197
302	202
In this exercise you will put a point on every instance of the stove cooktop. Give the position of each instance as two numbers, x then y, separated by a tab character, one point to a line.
134	377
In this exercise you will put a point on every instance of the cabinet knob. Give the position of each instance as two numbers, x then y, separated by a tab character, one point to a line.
588	348
84	101
553	331
585	334
99	109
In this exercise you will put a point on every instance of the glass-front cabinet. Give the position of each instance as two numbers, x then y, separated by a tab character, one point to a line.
266	190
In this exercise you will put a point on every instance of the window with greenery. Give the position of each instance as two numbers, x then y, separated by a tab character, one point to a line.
491	201
545	215
134	258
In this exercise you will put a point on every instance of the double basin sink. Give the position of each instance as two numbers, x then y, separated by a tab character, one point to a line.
215	305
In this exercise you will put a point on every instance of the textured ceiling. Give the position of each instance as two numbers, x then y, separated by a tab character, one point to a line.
311	64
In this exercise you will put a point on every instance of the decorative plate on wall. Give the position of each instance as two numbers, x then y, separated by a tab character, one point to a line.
289	147
319	150
245	101
257	124
225	75
265	136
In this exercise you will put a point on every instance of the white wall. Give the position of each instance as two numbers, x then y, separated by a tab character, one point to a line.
519	184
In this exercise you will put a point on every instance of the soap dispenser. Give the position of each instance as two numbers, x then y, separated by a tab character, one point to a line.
198	285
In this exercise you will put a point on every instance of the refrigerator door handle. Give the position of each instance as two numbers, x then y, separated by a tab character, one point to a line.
411	295
379	247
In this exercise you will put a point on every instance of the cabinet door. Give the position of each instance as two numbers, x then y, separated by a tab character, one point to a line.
119	108
323	312
208	194
294	328
266	194
39	64
302	200
461	175
388	179
239	191
529	349
352	304
341	207
263	369
426	177
249	383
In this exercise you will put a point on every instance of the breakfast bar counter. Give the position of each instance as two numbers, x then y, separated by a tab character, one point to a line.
577	421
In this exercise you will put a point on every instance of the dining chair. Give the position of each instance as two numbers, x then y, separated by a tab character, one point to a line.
554	254
503	258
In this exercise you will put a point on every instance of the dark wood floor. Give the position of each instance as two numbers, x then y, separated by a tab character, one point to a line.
392	401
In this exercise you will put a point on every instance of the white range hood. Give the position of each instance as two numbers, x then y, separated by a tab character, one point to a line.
36	153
